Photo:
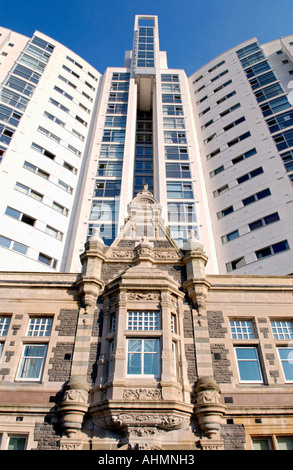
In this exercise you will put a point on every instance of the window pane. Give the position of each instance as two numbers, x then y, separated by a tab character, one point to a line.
32	362
16	443
285	443
261	444
248	364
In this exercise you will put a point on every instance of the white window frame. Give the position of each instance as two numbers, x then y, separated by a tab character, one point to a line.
290	360
142	354
257	360
39	326
19	375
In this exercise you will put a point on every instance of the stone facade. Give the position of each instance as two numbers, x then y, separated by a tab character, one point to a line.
144	350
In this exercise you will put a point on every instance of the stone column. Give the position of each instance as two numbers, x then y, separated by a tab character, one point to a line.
74	404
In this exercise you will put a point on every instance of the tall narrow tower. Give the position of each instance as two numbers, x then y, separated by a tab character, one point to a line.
144	134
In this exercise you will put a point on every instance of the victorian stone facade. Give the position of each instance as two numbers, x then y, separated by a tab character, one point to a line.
145	350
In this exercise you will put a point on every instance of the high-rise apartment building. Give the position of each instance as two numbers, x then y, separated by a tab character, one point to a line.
213	148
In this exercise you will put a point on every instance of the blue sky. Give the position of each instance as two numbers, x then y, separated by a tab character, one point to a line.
193	32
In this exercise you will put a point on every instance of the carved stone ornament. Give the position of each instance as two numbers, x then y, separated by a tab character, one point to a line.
80	396
208	407
142	394
166	421
146	296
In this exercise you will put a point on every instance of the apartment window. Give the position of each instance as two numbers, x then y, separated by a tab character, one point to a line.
115	121
64	93
226	97
244	51
275	106
181	212
74	150
169	78
47	260
269	219
114	136
171	98
256	197
107	188
119	97
230	236
9	115
262	80
235	264
49	134
178	170
104	210
65	186
216	171
4	325
39	326
20	85
280	122
287	158
58	105
106	231
26	73
250	175
233	124
257	69
170	88
143	320
174	137
13	99
282	329
248	364
17	442
67	81
143	357
112	151
268	92
54	119
173	123
207	124
172	110
284	140
70	71
181	233
273	249
36	170
243	156
6	134
12	245
117	108
213	154
179	190
219	75
32	362
221	190
241	329
29	192
74	62
230	110
53	232
32	62
225	212
20	216
286	358
222	86
252	59
109	168
43	44
59	208
176	153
